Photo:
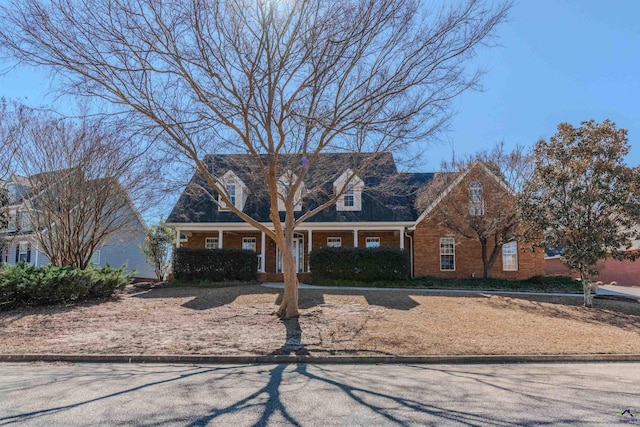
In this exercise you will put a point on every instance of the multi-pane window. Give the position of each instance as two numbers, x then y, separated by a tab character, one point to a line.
249	244
510	256
476	199
349	196
334	242
211	243
23	251
25	221
231	191
447	254
372	242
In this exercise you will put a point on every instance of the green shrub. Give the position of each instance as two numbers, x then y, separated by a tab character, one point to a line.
358	264
217	265
25	284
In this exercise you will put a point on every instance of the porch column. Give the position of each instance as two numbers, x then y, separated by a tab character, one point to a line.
309	248
355	238
262	250
219	239
402	238
177	238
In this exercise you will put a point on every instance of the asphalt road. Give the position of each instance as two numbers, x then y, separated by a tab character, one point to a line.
317	395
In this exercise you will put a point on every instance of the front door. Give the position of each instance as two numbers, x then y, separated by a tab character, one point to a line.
298	255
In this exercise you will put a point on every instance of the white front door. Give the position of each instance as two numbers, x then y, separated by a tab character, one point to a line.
298	255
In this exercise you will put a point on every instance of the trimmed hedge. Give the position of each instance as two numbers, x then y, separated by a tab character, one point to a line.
25	284
358	264
217	265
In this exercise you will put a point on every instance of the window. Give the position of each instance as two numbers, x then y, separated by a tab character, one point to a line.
249	244
476	200
447	254
231	191
349	197
25	221
24	252
211	243
95	258
373	242
510	256
334	242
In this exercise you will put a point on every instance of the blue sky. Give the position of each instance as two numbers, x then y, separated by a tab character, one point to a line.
558	61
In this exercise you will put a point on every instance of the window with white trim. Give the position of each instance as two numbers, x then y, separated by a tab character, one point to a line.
334	242
236	191
24	248
510	256
249	244
447	254
231	191
95	258
25	221
372	242
351	187
211	243
349	196
476	199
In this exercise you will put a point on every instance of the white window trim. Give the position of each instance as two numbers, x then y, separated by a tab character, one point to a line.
26	247
514	254
354	185
476	199
453	249
241	191
95	258
284	182
252	240
337	240
215	243
372	240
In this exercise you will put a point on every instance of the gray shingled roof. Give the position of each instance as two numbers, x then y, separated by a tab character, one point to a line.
387	196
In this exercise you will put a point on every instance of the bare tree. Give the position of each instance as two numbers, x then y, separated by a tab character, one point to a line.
282	81
493	219
78	177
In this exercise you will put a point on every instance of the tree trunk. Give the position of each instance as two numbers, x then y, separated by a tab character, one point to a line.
586	287
486	268
289	306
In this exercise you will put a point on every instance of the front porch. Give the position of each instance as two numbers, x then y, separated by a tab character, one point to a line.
307	238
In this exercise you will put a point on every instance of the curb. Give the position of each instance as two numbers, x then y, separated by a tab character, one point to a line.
288	359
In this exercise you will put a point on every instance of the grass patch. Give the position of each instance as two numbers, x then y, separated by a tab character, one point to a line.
562	284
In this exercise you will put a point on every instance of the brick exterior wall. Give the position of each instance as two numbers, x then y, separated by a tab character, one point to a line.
624	273
468	253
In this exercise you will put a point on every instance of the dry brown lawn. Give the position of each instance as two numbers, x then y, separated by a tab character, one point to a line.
239	321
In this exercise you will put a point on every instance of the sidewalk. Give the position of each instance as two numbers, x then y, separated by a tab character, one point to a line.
620	291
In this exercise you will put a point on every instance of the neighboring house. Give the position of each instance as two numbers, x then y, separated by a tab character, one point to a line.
364	216
120	249
624	272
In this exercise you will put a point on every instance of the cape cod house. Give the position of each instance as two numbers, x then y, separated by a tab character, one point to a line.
378	208
23	246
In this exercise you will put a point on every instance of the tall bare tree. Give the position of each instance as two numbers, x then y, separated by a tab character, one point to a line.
494	218
79	178
583	196
278	80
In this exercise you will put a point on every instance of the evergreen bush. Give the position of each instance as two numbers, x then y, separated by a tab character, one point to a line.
358	264
216	265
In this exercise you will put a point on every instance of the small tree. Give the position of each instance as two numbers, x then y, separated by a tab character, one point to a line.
157	249
583	196
496	221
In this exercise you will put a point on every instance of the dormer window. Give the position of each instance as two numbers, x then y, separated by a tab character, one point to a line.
476	199
236	191
284	186
351	187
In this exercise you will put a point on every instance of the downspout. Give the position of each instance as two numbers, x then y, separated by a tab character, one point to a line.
410	252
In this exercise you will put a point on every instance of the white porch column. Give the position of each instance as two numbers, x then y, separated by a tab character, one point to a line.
262	252
177	238
219	239
402	238
309	248
355	238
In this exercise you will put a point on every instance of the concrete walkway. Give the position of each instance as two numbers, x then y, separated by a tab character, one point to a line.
621	291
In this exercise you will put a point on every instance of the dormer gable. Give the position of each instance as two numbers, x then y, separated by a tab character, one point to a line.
284	184
236	191
351	186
